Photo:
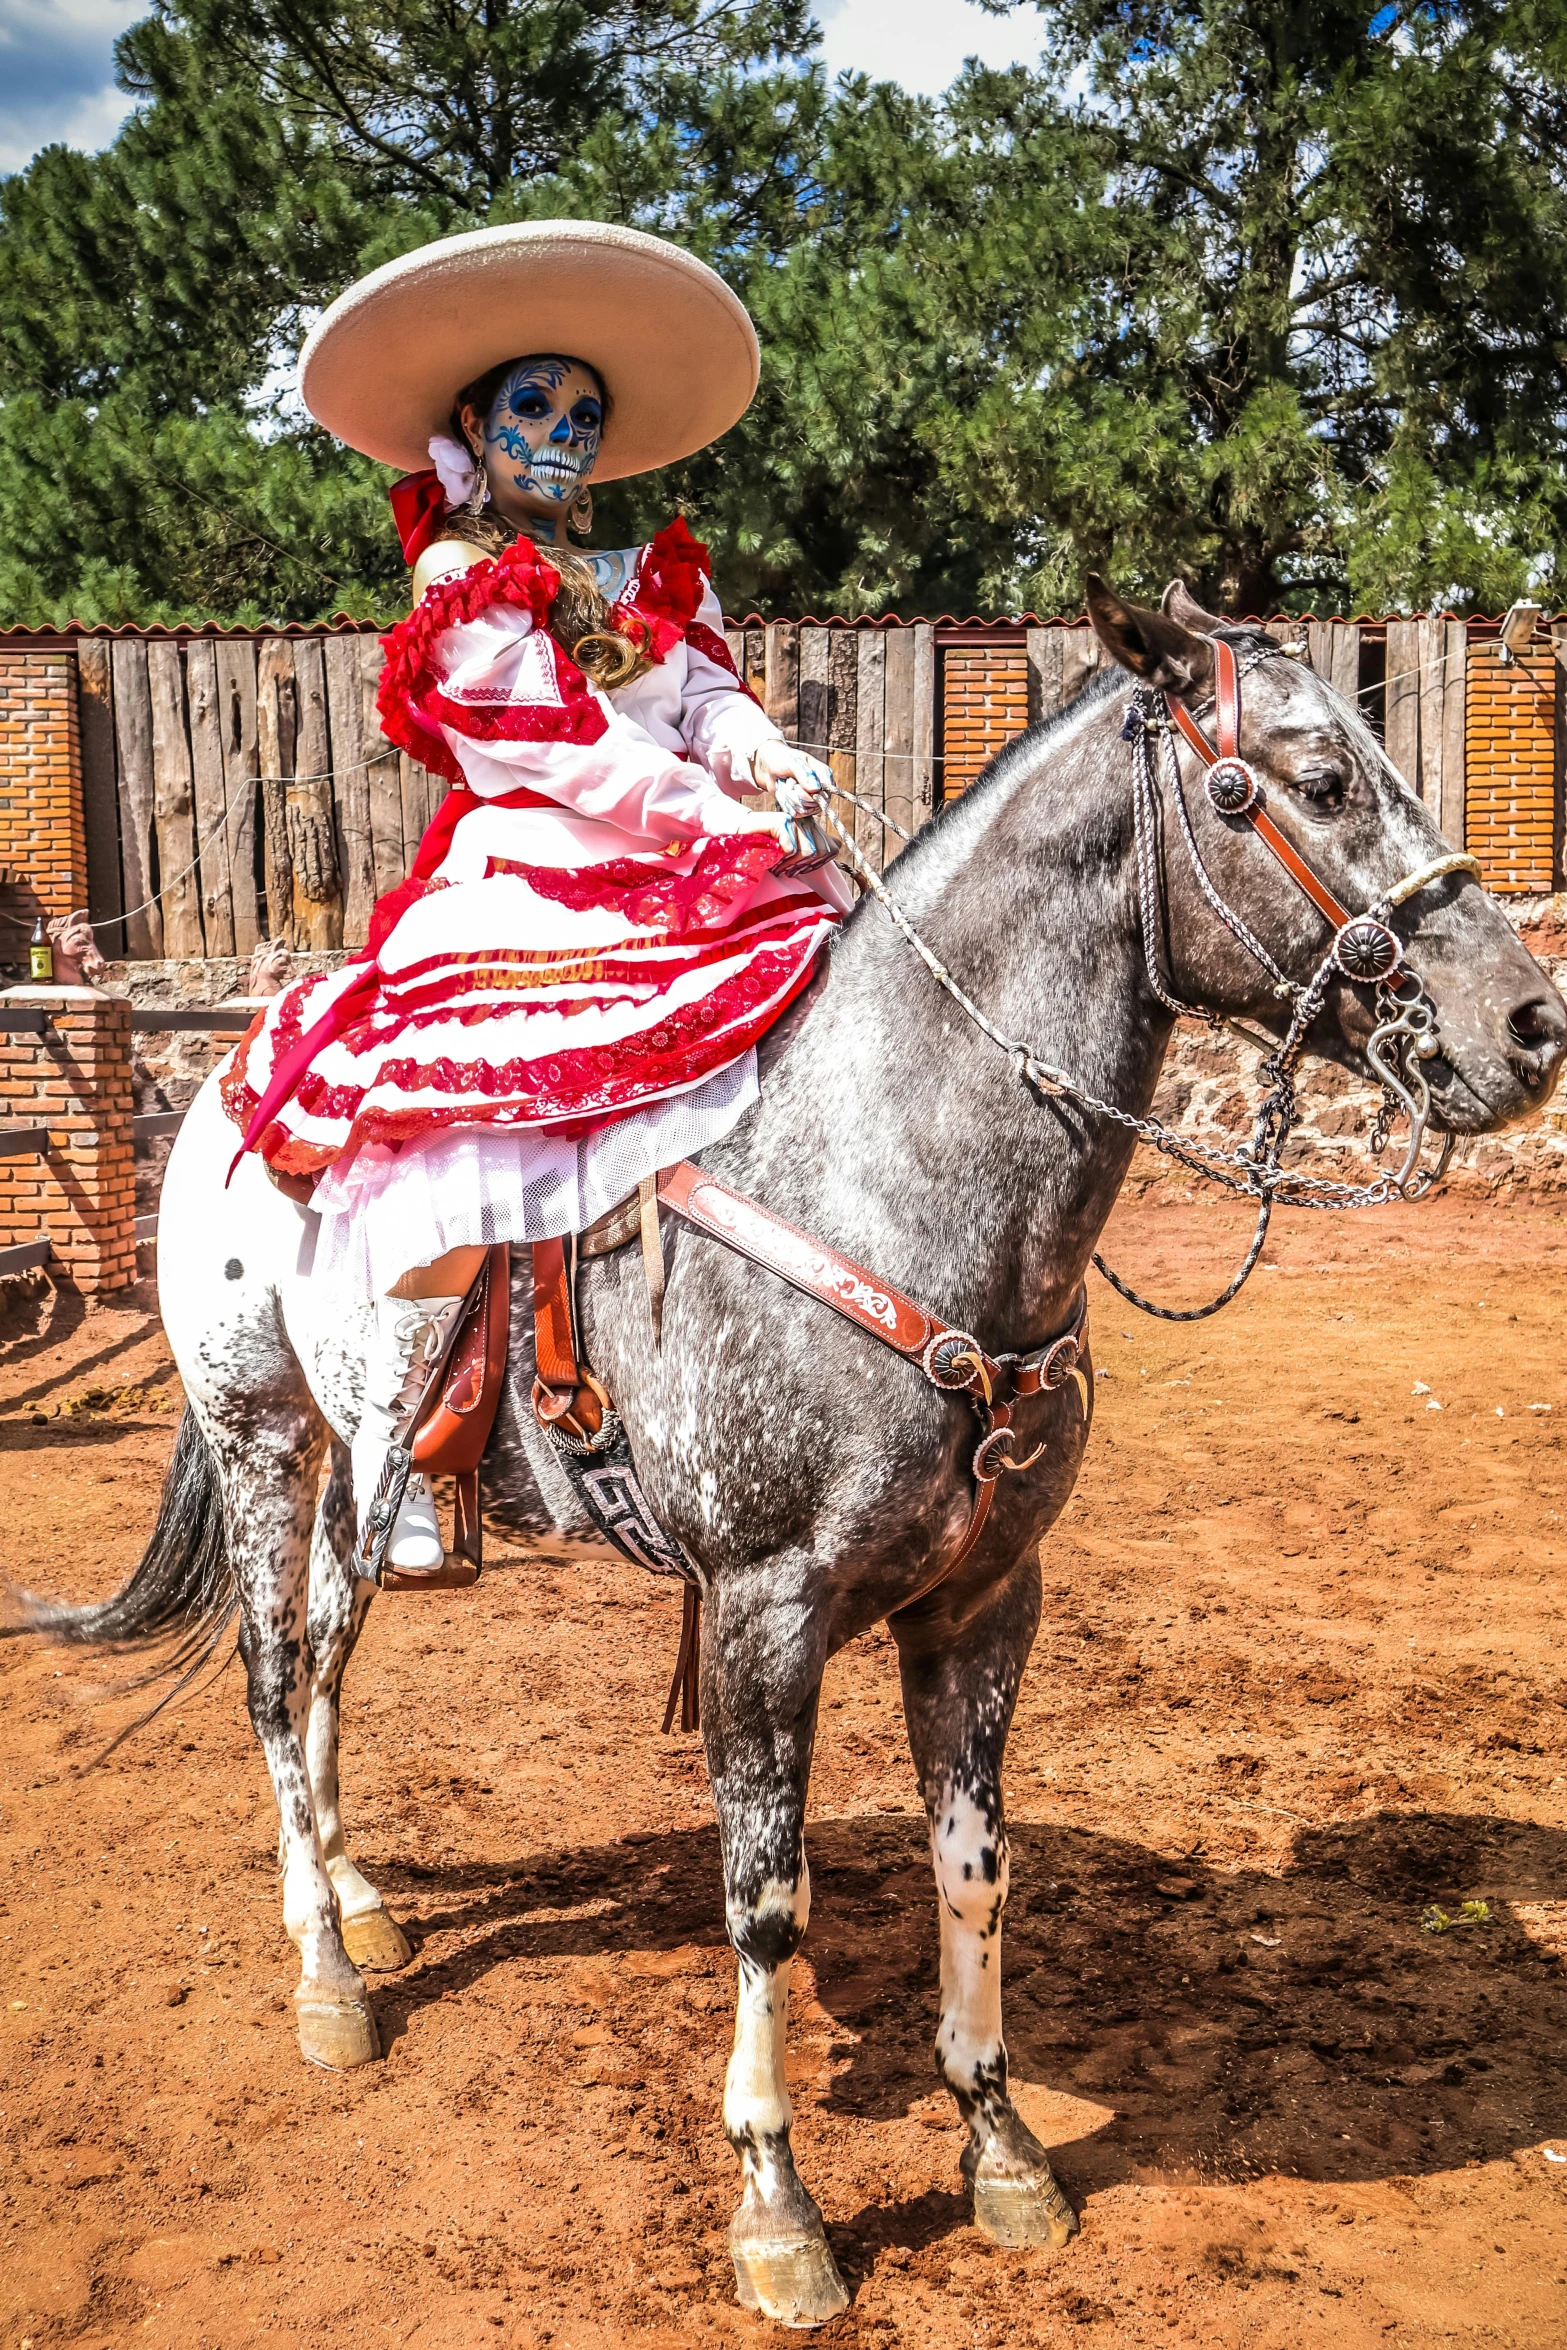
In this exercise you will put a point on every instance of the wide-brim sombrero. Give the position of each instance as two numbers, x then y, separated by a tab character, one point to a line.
673	346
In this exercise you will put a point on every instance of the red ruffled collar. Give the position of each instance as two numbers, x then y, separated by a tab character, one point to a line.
519	575
655	611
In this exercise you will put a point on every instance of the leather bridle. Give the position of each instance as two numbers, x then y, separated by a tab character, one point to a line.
1365	950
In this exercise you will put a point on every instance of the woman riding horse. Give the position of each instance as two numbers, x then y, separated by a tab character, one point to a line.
566	993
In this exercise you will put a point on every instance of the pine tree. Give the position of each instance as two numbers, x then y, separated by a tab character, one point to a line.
1270	292
153	462
1339	355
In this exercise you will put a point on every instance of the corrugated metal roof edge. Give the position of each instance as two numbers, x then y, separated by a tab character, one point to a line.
342	625
339	625
1081	620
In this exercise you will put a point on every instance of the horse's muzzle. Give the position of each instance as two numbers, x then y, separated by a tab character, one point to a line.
1536	1032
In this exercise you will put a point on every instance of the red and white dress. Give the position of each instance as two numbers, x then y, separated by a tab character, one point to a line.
567	992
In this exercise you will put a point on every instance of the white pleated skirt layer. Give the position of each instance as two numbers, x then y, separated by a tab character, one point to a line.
397	1205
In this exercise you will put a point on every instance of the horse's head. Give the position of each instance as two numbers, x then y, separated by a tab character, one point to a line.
1339	803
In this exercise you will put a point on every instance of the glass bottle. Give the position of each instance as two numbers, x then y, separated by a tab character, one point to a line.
41	955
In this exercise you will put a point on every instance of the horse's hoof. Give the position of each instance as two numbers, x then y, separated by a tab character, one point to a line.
1019	2212
795	2284
376	1942
337	2034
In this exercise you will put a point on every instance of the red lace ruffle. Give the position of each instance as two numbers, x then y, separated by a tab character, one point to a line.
519	575
676	903
591	1082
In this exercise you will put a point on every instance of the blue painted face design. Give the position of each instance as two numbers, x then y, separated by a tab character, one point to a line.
542	434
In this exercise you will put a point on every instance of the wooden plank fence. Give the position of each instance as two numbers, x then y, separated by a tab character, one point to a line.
864	701
238	787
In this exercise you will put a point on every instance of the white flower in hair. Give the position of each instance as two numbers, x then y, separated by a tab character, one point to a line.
455	466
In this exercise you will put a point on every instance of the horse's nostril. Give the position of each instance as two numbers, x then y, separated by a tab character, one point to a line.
1538	1026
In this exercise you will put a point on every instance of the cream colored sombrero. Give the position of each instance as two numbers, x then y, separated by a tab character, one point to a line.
674	347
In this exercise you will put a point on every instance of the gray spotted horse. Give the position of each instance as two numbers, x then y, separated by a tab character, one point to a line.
1104	871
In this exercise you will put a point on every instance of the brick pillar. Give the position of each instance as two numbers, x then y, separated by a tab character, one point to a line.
984	703
1510	814
75	1081
43	845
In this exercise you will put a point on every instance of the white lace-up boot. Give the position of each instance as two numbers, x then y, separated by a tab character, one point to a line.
411	1336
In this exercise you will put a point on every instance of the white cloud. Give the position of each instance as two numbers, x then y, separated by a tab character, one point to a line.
57	58
57	74
922	43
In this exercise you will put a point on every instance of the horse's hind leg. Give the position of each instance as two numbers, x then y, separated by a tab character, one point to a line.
339	1602
269	1463
759	1695
959	1688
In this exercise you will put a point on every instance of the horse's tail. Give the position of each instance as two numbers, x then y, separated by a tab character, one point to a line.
182	1594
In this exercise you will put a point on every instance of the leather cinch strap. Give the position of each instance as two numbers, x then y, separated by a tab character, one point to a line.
1227	712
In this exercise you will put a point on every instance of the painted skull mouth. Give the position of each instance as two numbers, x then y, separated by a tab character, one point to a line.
557	466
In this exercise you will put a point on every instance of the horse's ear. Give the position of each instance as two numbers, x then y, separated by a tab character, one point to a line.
1178	603
1150	644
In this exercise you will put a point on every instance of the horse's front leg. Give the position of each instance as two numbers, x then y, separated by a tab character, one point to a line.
960	1684
339	1603
269	1457
759	1698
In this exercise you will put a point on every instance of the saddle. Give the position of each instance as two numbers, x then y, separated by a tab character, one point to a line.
577	1414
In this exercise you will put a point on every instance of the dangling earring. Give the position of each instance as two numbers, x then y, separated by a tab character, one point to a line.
579	515
478	496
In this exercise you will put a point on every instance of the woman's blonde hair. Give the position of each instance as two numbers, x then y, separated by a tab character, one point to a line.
579	616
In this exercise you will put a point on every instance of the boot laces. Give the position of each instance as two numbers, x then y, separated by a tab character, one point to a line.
419	1338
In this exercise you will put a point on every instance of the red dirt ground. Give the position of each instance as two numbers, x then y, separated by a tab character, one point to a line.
1301	1679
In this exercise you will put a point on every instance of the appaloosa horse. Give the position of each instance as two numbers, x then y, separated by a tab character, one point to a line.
820	1486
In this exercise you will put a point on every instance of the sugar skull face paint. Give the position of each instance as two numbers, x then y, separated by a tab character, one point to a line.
541	437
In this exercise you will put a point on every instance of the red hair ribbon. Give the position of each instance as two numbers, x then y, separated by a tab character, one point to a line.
419	510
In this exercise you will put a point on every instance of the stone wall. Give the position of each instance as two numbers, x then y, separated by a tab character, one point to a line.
1210	1089
168	1065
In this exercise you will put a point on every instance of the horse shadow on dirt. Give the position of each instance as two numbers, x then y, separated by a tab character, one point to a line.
1226	2023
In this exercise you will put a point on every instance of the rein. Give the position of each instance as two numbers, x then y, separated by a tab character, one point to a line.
1365	951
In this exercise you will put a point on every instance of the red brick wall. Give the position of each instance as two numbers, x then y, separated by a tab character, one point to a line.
984	703
75	1082
1510	784
43	853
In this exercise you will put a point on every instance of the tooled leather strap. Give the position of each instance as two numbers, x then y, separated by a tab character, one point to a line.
555	1350
863	1297
951	1359
850	1289
1227	715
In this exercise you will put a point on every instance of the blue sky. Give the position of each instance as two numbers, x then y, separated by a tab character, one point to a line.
57	64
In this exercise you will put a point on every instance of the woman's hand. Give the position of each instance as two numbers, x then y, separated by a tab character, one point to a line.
800	784
807	848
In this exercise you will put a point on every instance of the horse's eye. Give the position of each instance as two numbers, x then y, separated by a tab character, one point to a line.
1324	787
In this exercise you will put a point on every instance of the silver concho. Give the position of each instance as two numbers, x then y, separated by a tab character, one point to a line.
1232	787
992	1455
1366	950
943	1369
